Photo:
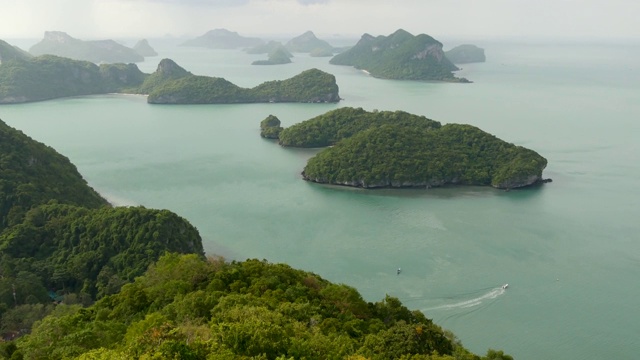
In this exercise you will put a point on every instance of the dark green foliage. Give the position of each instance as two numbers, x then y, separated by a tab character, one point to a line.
399	56
270	127
187	308
97	51
78	250
408	156
309	86
32	174
329	128
464	54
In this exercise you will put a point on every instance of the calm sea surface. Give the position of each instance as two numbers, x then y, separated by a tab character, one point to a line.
569	250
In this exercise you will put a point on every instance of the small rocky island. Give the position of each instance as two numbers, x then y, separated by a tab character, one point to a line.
384	149
97	51
466	54
400	56
270	127
278	56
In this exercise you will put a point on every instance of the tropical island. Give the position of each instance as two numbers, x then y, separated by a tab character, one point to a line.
223	39
50	77
383	149
97	51
9	52
277	55
400	56
309	43
465	54
82	279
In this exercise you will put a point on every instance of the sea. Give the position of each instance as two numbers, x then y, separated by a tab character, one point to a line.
569	249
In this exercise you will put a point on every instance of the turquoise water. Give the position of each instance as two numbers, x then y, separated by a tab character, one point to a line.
568	249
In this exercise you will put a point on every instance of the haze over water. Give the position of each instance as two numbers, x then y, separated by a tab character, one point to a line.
569	249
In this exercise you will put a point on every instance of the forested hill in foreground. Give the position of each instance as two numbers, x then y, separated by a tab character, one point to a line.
33	174
397	149
188	308
400	56
49	77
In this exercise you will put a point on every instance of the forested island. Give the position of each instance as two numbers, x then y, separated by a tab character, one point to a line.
96	282
143	48
277	56
49	77
9	52
400	56
309	43
97	51
382	149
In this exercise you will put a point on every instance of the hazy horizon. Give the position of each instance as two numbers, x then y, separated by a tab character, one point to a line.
589	20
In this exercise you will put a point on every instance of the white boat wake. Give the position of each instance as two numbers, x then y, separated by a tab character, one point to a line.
490	295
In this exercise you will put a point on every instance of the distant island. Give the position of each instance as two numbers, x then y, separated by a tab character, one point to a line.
97	51
277	56
396	149
223	39
143	48
266	48
400	56
309	43
311	86
465	54
49	77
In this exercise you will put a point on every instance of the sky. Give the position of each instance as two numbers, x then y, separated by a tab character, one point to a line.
530	19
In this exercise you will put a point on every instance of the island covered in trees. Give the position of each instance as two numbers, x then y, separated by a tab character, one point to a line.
49	77
400	56
81	279
382	149
98	51
465	54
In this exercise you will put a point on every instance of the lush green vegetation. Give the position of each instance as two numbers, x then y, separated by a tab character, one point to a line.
465	54
408	156
32	174
329	128
270	127
309	86
59	240
97	51
399	56
187	308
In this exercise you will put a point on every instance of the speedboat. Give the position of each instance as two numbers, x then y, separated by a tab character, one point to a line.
505	286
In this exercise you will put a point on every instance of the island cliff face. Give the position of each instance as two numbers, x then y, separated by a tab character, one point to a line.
99	51
400	56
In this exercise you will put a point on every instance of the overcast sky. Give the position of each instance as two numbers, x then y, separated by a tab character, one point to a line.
99	19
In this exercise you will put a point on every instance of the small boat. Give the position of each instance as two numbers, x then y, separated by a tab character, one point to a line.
399	271
505	286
